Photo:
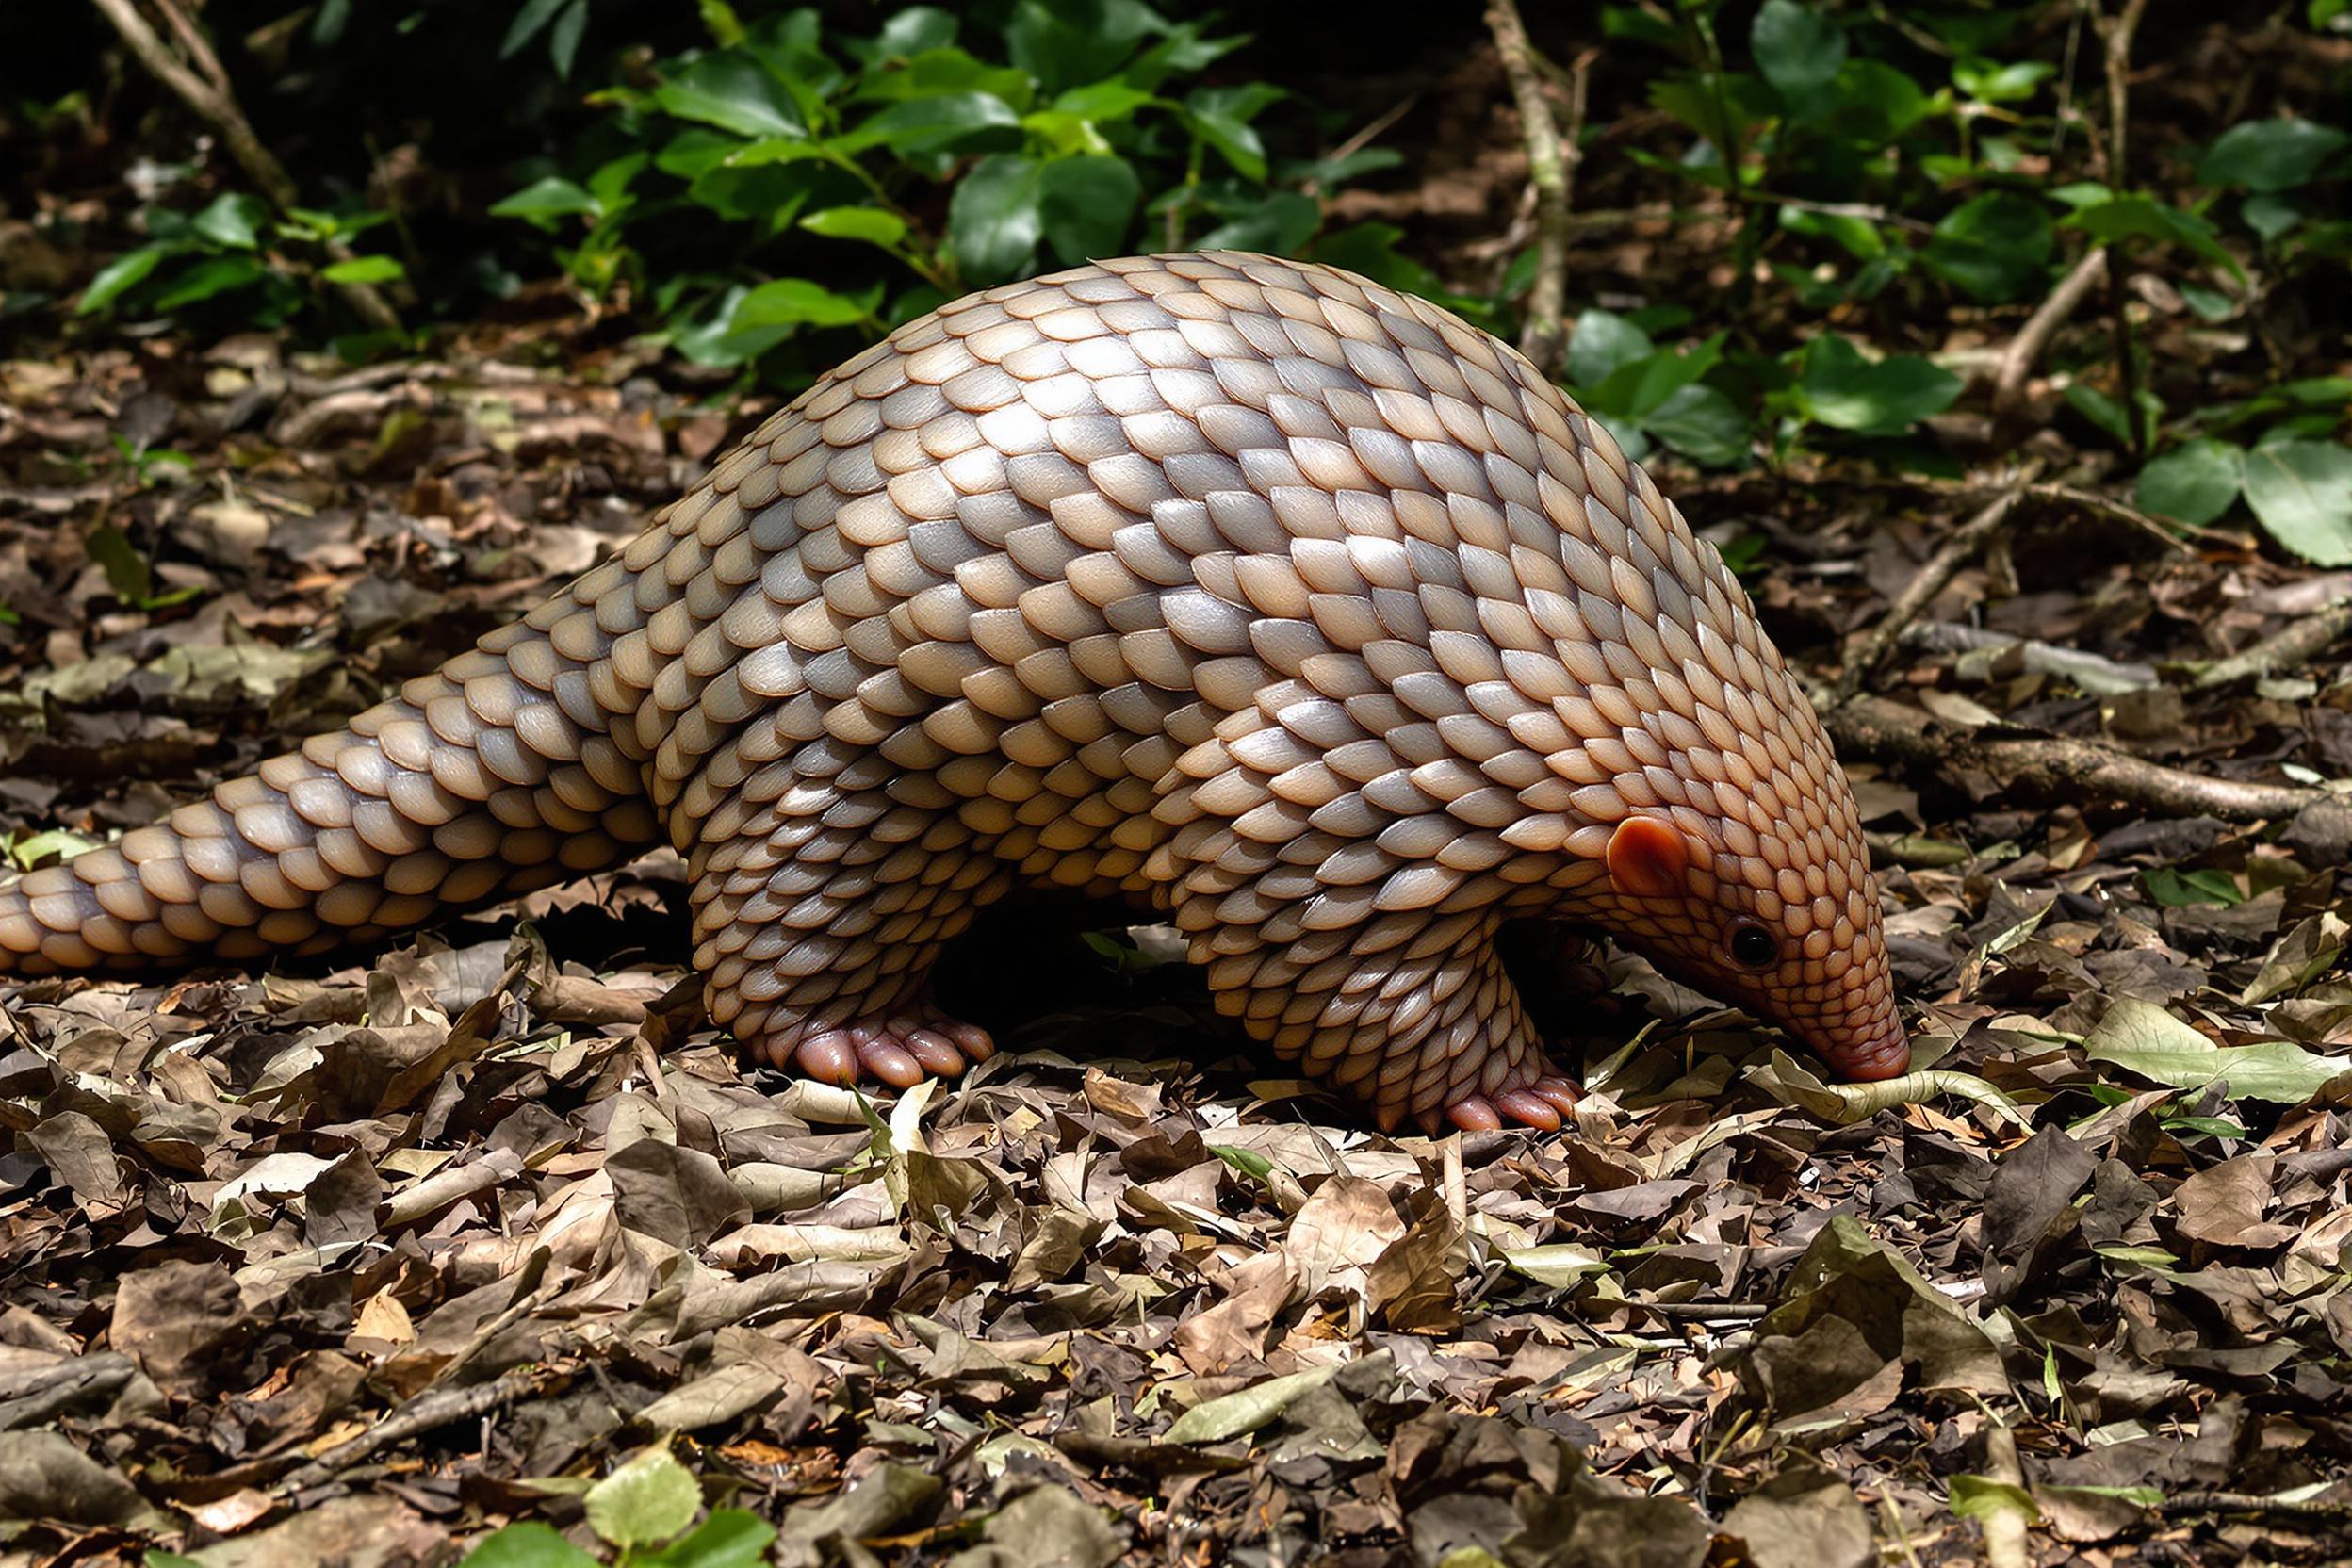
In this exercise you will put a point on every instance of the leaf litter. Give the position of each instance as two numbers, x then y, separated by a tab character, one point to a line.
360	1261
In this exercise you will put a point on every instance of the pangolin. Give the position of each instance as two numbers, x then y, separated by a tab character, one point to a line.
1288	606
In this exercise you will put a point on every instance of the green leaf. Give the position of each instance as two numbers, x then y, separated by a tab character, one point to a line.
1981	1497
731	1538
563	43
1220	117
2179	890
1639	389
214	276
233	220
1872	103
1991	82
1246	1409
2144	218
871	224
2271	217
795	302
1798	51
1105	102
2211	304
365	269
1063	43
1839	388
1088	203
118	276
529	1544
943	72
528	23
2100	410
1247	1160
997	215
1703	425
1993	249
57	844
1556	1266
2193	484
2143	1039
1600	343
710	337
921	125
543	201
916	30
734	92
1278	224
646	1501
2270	154
2301	492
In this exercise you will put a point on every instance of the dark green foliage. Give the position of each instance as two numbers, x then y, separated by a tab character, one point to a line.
882	175
1891	165
763	189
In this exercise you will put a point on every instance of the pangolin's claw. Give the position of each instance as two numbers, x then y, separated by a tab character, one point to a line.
900	1050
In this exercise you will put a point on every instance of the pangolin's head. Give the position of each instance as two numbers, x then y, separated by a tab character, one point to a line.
1786	925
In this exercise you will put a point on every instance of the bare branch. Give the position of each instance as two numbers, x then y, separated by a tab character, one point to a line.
1930	580
2053	769
2302	639
215	105
1551	162
2018	358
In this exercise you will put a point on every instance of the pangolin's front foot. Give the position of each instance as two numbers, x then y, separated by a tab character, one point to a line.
900	1048
1540	1104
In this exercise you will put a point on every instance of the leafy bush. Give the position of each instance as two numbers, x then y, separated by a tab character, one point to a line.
942	154
233	260
1888	168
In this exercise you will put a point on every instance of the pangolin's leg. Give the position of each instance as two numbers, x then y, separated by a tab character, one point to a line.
821	903
475	784
1411	1014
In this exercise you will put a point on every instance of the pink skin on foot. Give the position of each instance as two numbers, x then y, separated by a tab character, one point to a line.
900	1050
1539	1106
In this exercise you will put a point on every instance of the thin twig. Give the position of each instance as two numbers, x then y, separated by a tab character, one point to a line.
2116	37
216	105
2189	1502
1930	580
2018	358
2092	672
1868	212
2302	639
1721	1312
436	1408
1365	137
1549	160
2052	768
2167	534
2004	1527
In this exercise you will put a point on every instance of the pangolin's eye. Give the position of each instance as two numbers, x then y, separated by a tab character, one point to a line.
1753	946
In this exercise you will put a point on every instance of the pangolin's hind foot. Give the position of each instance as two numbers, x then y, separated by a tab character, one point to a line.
1540	1105
901	1048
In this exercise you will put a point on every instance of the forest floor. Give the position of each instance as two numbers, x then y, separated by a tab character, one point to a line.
341	1263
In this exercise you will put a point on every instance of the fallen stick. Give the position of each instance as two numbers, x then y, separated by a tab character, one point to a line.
1930	580
2018	360
2302	639
2055	768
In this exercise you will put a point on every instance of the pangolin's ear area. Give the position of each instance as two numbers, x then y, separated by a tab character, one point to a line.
1647	856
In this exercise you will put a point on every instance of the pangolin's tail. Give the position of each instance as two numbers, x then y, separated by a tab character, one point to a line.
489	777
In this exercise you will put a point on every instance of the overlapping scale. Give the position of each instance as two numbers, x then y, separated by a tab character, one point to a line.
1293	605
